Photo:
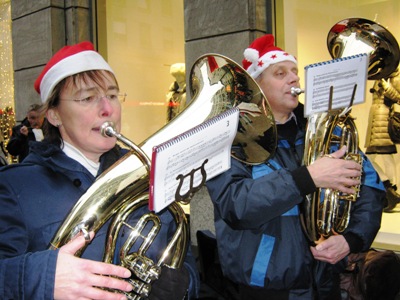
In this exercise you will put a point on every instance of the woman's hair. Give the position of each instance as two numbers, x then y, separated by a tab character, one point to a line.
380	276
99	77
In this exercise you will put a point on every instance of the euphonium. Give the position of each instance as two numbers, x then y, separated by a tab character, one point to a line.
217	84
327	212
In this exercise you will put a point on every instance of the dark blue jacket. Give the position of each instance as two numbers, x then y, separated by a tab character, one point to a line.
18	145
35	197
259	235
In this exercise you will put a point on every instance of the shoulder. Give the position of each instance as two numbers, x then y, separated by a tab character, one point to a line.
18	169
14	167
17	127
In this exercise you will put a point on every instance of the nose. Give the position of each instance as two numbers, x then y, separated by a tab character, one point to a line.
106	107
294	77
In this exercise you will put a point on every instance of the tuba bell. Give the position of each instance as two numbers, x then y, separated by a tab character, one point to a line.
327	212
217	84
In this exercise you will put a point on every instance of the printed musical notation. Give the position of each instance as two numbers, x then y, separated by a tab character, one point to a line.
181	165
337	78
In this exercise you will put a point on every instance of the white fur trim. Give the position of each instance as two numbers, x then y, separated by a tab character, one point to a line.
269	58
251	55
77	63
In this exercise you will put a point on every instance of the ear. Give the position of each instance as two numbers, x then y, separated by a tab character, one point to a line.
52	117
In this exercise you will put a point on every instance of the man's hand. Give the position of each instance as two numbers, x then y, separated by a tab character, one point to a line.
334	173
331	250
24	130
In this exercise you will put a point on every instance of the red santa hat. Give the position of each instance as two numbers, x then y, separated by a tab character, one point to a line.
68	61
262	53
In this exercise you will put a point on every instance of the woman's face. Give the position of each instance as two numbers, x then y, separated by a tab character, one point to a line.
79	122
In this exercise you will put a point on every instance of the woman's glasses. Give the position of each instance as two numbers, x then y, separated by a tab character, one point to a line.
95	99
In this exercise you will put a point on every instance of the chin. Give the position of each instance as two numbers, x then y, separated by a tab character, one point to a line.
108	145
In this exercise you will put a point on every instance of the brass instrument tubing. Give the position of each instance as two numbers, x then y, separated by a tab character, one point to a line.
107	130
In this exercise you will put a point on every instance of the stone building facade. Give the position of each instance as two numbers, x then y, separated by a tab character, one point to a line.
39	29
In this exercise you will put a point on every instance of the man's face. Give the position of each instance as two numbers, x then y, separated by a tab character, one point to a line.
34	119
276	82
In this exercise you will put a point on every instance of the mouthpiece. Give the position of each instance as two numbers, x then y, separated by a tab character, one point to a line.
108	130
296	91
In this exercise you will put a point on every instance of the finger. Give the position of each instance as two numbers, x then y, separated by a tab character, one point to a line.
108	269
97	275
349	180
76	243
325	256
111	283
339	153
351	165
346	190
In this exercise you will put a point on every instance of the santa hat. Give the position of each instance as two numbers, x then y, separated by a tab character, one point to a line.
262	53
68	61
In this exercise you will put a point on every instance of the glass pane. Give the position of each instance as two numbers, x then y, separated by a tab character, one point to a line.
308	22
143	39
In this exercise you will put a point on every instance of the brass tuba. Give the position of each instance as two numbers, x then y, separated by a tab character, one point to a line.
327	212
217	84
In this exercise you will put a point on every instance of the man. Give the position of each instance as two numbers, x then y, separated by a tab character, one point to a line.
28	130
261	244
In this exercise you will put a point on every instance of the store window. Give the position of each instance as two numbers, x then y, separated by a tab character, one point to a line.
308	22
141	39
306	26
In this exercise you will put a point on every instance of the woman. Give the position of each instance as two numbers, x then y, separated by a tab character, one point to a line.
79	93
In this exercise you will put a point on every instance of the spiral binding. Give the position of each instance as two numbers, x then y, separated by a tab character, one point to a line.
194	130
335	60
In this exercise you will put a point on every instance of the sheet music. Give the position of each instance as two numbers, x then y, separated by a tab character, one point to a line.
344	76
206	147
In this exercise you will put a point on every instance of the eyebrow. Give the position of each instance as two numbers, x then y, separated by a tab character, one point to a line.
112	87
95	89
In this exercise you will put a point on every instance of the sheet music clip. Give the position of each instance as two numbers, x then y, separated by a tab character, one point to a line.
185	198
346	109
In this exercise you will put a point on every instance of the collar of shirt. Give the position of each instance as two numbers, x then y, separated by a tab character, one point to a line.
292	116
38	134
77	155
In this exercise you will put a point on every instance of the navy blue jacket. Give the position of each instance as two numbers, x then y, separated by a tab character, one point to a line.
35	197
259	235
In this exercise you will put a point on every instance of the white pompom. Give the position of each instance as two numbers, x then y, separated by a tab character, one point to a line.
251	55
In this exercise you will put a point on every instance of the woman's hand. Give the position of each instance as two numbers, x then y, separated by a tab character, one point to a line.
78	278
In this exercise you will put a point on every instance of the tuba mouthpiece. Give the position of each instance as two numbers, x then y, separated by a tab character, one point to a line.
107	129
296	91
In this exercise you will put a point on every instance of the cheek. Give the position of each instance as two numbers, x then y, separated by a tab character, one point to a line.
81	124
117	120
271	94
